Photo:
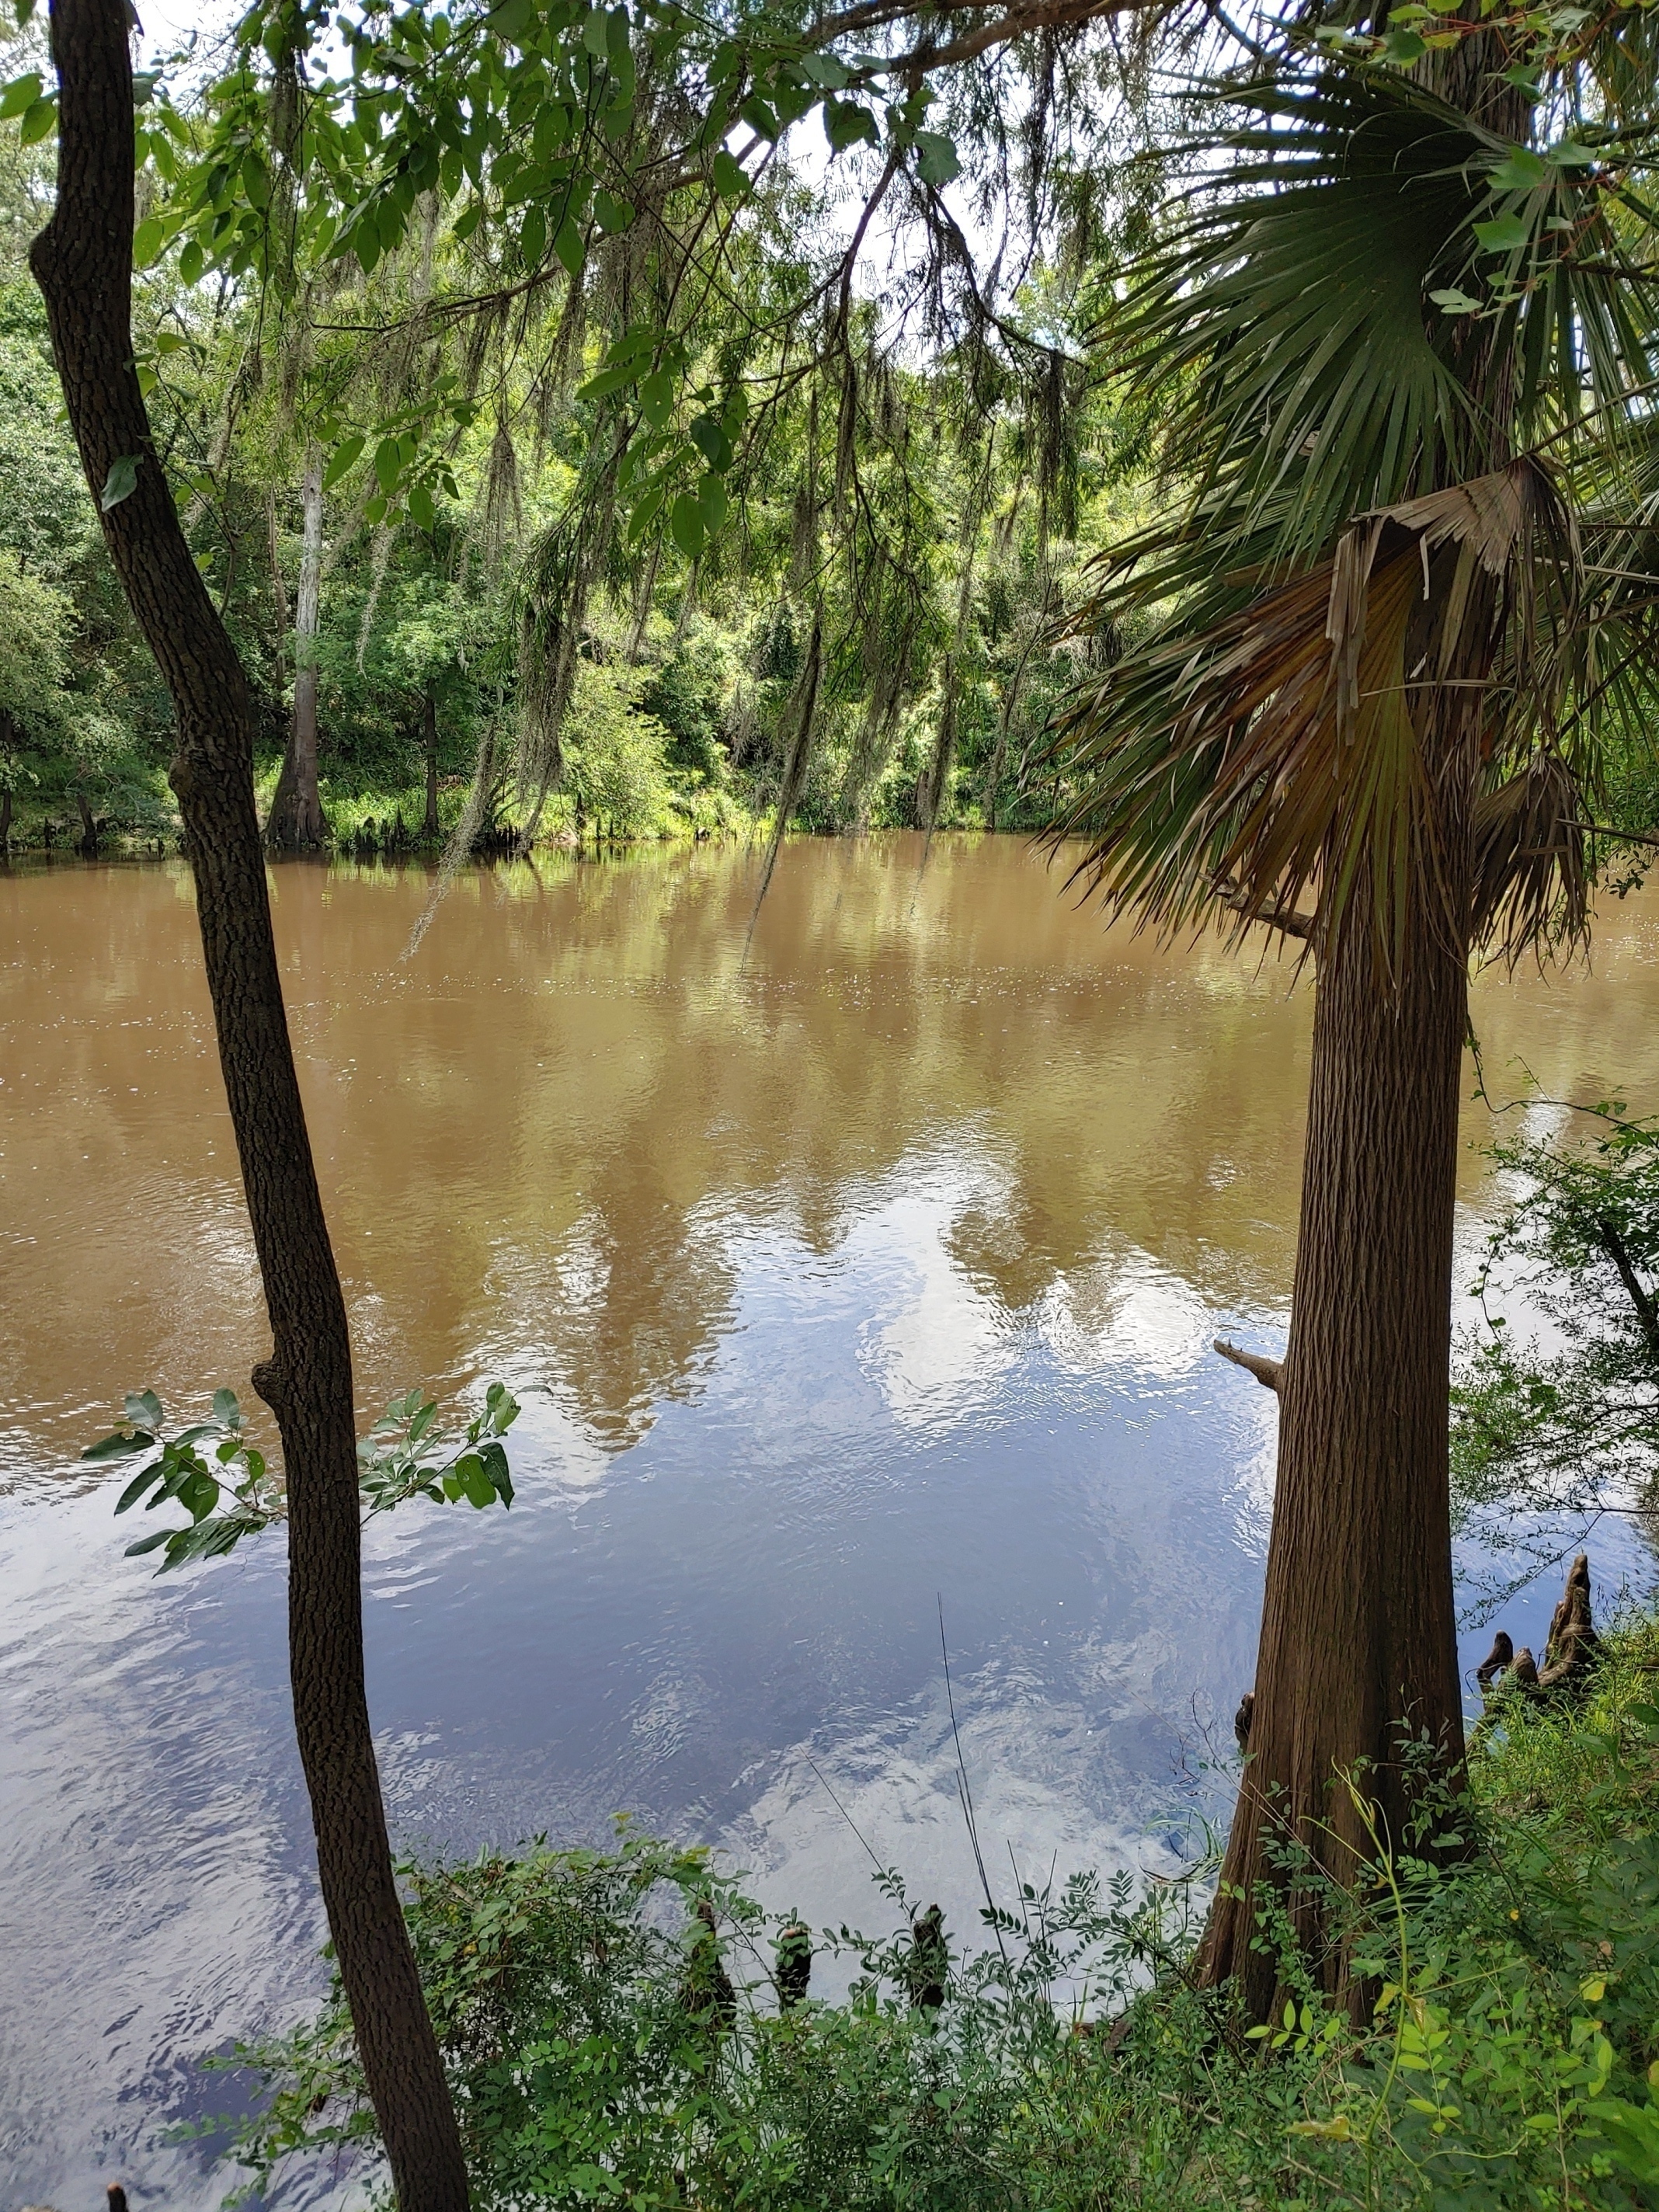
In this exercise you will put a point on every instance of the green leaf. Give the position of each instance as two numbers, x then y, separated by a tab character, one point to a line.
256	179
1455	302
596	35
646	512
148	241
421	511
388	462
1503	236
612	214
825	70
136	1489
118	486
39	120
657	399
709	438
191	261
340	461
937	161
22	92
713	504
685	523
1521	171
1402	48
567	245
847	123
119	1446
730	176
150	1543
493	1459
532	237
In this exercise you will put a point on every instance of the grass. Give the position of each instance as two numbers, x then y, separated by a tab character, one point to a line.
614	2032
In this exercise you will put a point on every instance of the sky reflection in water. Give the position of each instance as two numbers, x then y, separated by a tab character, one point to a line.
876	1270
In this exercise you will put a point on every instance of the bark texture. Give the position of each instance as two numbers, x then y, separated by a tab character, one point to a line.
295	822
1358	1633
82	262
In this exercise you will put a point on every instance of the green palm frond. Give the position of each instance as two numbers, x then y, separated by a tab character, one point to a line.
1286	310
1361	300
1327	306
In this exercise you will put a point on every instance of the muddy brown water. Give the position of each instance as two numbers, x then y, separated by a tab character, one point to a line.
871	1266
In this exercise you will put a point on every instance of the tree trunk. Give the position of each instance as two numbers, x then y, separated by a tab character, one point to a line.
429	832
1359	1631
1358	1628
82	262
1358	1643
295	824
5	821
87	846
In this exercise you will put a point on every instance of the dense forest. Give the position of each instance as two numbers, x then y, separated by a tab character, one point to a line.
941	535
1224	450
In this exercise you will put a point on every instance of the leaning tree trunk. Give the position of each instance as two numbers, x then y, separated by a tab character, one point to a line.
295	824
82	262
1358	1631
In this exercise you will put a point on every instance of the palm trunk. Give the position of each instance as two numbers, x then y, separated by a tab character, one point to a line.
82	262
1358	1631
1358	1649
296	822
429	832
1359	1645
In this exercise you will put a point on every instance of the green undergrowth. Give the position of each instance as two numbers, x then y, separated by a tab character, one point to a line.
613	2029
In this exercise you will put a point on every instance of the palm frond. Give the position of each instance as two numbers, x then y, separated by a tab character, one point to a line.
1279	749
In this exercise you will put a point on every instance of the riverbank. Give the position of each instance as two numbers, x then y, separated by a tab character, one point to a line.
632	2027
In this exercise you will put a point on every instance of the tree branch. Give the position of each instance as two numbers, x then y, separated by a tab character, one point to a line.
1614	1244
1266	1371
1016	22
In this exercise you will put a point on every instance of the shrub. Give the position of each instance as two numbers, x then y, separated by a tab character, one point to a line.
613	2028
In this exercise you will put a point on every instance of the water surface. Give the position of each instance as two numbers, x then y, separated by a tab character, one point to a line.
873	1268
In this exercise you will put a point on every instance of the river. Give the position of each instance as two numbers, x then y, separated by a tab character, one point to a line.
865	1267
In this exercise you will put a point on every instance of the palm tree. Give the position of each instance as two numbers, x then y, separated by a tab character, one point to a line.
1393	343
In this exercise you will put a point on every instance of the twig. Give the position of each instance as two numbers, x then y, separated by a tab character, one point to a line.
842	1810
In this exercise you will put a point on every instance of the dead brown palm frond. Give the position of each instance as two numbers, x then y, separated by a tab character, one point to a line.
1276	751
1531	858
